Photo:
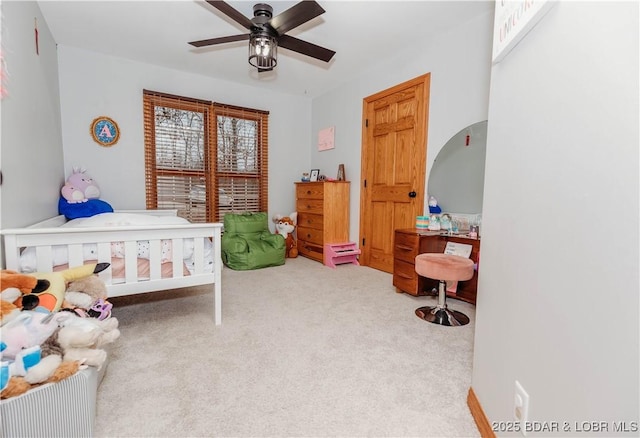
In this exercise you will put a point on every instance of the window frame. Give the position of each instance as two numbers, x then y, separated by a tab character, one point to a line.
262	176
211	173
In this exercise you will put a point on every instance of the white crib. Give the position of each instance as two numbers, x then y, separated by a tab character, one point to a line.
46	236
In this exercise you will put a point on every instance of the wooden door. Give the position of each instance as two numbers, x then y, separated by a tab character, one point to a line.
394	153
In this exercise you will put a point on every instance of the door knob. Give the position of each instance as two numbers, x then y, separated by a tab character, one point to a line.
412	194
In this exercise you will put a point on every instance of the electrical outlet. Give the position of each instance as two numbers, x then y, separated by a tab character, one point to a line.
521	407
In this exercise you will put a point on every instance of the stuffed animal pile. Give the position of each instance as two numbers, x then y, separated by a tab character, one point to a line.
52	325
286	225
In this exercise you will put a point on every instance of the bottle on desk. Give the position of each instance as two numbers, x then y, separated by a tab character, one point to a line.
474	229
434	223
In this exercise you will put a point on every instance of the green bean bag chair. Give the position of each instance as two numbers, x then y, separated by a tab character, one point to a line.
247	242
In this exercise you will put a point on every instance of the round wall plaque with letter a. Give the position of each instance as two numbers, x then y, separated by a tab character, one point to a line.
105	131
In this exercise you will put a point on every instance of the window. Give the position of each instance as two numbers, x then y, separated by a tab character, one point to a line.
204	159
241	159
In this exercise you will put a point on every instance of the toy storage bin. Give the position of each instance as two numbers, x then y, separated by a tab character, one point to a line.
63	409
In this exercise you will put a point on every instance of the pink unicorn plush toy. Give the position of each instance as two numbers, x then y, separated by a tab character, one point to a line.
80	187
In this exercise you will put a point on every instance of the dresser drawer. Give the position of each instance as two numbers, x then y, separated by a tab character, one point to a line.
405	247
310	191
309	220
405	277
311	250
310	235
309	206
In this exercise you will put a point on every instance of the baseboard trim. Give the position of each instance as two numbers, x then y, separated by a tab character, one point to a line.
484	427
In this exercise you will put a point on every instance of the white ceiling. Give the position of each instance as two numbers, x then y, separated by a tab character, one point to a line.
157	32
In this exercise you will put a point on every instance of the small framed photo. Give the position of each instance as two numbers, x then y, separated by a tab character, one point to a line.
314	175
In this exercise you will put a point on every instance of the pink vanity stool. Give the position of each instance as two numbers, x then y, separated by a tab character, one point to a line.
443	267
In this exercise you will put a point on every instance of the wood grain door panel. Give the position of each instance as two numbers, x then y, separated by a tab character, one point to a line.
393	167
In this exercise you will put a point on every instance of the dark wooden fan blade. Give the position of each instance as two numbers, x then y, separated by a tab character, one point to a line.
227	39
306	48
228	10
295	16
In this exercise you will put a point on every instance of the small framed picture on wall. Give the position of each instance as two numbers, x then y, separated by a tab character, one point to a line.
314	175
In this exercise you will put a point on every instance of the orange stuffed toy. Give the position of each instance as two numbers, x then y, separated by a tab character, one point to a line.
13	286
286	225
25	283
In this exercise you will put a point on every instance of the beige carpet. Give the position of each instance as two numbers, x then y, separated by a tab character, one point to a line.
303	351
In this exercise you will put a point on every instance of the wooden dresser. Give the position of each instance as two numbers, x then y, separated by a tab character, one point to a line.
408	243
323	216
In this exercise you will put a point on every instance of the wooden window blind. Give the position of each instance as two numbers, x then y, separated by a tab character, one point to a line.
204	159
241	159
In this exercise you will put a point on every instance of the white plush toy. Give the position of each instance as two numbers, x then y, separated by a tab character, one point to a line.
82	338
20	342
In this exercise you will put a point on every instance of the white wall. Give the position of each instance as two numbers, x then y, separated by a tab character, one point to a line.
31	143
558	286
459	62
93	85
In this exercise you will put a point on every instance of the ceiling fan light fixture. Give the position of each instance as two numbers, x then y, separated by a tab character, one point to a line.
267	32
263	51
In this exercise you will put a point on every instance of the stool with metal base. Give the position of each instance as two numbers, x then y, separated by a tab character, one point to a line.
443	267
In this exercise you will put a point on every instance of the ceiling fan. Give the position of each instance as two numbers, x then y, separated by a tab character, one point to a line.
268	32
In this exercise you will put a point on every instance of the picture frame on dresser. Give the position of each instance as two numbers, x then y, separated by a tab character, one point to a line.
314	175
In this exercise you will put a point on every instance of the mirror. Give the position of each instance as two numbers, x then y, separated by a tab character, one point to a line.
457	175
